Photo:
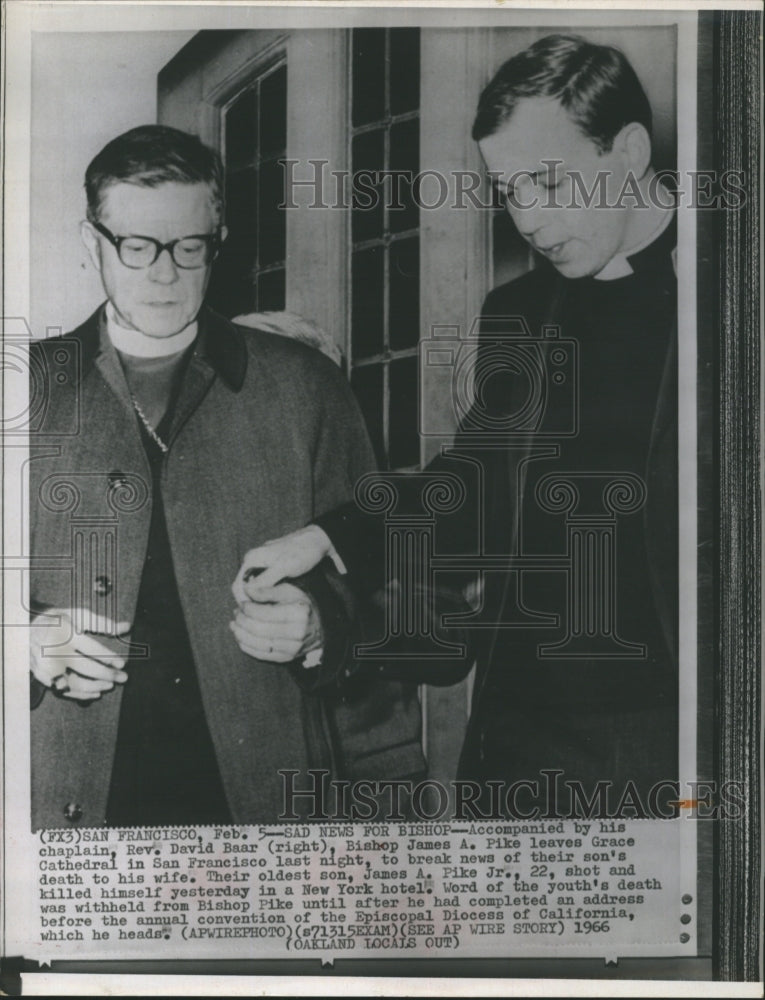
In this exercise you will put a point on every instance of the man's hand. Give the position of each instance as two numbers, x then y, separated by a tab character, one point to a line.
283	558
72	660
277	624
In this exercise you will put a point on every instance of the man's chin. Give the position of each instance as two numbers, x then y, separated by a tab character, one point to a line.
573	269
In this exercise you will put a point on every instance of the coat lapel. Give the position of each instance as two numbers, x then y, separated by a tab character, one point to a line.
220	350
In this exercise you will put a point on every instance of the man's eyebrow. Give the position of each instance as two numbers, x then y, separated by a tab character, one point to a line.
549	170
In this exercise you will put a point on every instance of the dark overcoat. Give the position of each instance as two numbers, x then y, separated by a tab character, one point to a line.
266	435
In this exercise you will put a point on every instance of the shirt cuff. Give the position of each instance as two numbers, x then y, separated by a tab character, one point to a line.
313	657
334	555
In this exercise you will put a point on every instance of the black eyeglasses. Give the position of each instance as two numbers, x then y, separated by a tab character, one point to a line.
188	252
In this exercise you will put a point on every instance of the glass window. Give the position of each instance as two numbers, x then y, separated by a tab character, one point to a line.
367	302
369	71
404	293
385	252
249	274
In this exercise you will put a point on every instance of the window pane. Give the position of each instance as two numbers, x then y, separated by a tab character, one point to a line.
368	75
368	155
255	137
271	222
232	284
242	130
403	437
404	294
405	155
367	302
241	205
271	290
367	383
405	70
273	113
385	280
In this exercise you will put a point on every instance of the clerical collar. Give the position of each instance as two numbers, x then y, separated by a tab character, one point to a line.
137	344
620	265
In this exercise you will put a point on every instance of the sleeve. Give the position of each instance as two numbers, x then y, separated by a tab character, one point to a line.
361	539
342	455
392	582
410	658
336	607
343	452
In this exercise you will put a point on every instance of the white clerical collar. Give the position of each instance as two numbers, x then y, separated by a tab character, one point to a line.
619	266
138	345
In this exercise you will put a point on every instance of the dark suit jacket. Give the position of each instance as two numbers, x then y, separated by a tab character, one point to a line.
360	538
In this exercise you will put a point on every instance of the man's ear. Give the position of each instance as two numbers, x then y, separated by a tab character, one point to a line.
89	238
634	143
223	234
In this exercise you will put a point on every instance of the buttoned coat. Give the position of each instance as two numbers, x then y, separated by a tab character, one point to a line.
266	434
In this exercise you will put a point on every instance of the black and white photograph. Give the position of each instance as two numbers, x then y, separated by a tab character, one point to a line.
381	540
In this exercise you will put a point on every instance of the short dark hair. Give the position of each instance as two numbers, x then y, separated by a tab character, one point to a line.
594	83
150	155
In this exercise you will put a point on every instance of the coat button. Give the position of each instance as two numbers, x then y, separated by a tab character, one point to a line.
117	479
73	811
102	586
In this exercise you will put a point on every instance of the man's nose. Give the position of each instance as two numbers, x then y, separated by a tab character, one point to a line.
164	269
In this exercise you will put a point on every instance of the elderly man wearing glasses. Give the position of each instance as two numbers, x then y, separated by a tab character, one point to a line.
166	443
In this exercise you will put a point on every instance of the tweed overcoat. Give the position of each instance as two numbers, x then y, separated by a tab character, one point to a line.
266	434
